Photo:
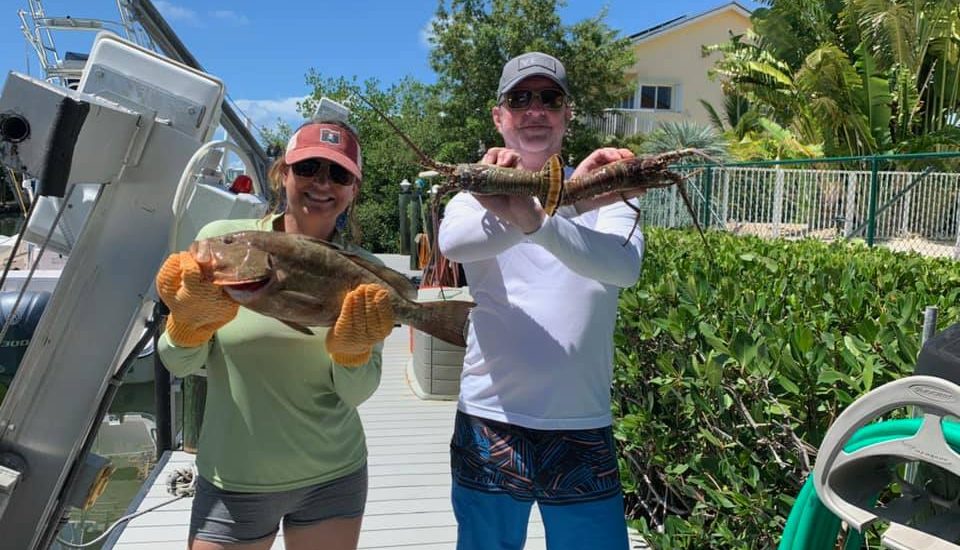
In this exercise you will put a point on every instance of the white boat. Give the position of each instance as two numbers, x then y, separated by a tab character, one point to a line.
120	144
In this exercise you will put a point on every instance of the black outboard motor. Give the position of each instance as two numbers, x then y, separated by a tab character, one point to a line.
22	325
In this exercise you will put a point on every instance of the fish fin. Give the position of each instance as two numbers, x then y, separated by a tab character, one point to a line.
445	319
398	281
302	306
325	243
298	327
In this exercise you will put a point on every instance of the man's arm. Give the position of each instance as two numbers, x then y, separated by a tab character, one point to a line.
478	227
470	233
595	160
602	253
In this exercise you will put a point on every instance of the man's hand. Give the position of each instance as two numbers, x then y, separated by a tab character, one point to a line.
524	213
598	158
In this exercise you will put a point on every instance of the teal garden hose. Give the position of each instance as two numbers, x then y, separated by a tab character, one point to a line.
811	525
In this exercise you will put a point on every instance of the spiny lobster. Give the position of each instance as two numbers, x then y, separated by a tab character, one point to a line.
547	184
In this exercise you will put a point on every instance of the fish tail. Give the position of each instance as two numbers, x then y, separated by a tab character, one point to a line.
552	172
446	320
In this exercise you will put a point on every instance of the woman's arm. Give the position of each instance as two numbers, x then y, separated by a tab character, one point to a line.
181	361
355	385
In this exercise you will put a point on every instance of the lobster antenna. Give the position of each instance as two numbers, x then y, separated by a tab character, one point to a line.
693	213
424	159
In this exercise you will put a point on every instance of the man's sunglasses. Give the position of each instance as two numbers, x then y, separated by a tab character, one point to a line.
552	100
310	168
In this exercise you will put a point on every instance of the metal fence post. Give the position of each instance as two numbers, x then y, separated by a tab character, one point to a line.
777	202
956	249
672	215
707	192
874	193
850	212
725	207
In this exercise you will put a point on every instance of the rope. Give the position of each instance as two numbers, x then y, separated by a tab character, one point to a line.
811	525
181	483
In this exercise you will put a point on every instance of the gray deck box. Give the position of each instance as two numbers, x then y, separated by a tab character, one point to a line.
434	367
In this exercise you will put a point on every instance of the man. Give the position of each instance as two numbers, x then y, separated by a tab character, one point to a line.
534	420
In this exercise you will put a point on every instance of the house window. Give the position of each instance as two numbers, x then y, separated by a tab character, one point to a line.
658	98
629	102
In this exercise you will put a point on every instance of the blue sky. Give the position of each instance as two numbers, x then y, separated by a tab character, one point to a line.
262	49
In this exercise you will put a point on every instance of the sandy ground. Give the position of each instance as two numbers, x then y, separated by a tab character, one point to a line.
917	244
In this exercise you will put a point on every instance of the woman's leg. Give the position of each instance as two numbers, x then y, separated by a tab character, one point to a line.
328	515
331	534
233	520
265	544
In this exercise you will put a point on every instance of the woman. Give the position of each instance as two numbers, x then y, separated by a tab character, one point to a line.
282	441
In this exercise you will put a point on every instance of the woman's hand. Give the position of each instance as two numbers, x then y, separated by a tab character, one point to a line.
197	308
366	318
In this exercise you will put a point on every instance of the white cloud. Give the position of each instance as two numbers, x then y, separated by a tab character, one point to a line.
426	33
230	16
173	12
265	112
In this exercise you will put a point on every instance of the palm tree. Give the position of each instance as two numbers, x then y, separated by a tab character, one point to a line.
876	76
673	135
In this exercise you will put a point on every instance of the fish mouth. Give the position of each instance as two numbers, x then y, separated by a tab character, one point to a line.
246	291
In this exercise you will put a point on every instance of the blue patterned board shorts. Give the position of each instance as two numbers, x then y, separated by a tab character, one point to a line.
548	466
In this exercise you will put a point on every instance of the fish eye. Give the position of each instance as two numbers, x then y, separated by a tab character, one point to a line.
228	239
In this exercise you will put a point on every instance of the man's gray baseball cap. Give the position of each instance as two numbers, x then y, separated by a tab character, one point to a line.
532	64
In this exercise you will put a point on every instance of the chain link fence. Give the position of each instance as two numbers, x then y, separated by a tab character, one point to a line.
904	202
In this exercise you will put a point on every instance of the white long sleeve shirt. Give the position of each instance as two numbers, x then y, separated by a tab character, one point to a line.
540	345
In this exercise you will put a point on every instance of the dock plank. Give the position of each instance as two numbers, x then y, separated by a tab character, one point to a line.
408	505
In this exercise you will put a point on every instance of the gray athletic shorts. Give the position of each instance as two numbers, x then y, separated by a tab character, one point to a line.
234	517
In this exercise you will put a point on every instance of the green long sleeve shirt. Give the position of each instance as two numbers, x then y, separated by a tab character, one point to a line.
279	414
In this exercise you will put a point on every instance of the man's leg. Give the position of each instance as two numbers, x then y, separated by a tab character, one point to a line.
489	521
597	524
492	483
578	489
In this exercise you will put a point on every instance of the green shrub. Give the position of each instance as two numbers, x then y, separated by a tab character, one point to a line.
730	369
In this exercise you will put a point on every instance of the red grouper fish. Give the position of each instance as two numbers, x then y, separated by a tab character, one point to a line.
302	282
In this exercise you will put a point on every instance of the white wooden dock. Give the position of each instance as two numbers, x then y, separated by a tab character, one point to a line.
408	505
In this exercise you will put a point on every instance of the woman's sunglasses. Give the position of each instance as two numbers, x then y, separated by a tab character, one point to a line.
552	100
310	168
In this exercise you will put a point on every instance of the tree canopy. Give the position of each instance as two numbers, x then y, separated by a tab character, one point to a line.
450	121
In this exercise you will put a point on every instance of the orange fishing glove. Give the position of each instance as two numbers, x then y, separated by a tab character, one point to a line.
197	308
366	317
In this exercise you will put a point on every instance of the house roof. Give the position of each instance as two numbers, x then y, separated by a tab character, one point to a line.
684	20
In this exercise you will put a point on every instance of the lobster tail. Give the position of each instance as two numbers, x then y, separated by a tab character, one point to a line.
551	175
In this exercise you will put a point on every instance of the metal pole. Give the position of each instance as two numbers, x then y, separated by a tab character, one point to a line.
414	229
911	471
872	209
707	191
403	205
929	324
161	399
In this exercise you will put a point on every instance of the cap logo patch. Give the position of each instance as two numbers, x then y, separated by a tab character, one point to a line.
535	61
330	136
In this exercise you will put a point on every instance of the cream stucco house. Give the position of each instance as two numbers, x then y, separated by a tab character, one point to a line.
671	73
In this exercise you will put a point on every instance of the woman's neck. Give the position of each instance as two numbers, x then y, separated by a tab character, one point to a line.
318	229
